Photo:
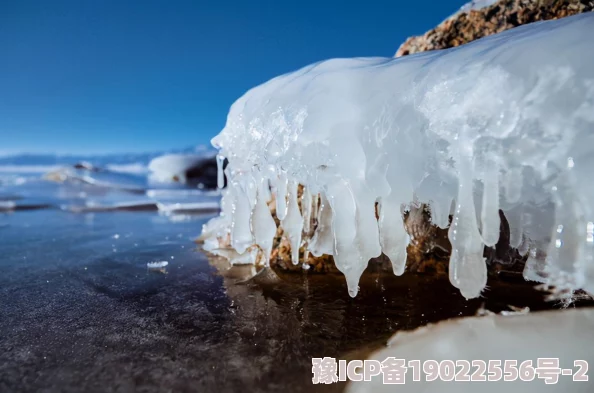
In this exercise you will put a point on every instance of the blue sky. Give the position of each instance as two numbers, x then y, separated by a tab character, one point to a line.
94	76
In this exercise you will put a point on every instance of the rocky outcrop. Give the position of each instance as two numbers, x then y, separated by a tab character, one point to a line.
471	25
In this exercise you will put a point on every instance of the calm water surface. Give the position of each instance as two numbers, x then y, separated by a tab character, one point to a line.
80	312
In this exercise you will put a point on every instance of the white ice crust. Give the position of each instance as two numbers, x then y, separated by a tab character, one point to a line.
477	5
473	5
566	335
505	122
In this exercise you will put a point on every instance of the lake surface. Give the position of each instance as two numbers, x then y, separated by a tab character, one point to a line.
80	311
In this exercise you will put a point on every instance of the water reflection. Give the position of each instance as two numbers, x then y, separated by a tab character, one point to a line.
284	320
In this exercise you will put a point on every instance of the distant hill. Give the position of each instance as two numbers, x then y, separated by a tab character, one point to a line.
98	159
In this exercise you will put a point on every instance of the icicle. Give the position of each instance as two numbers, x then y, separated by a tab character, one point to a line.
266	192
220	173
315	208
524	246
515	220
241	235
262	223
587	261
366	224
490	207
306	209
344	228
292	224
440	211
322	241
468	270
393	237
281	196
356	234
568	236
513	185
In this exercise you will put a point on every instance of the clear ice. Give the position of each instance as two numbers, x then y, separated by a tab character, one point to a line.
505	122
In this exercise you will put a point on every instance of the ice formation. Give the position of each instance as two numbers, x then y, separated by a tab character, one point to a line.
523	338
505	122
171	167
476	5
157	265
473	5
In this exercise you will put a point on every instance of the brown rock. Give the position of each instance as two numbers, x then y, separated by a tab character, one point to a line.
503	15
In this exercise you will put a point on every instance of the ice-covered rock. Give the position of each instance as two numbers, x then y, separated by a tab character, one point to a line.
505	122
476	5
184	168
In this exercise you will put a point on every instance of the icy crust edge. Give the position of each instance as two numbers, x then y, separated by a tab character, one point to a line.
505	122
487	338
